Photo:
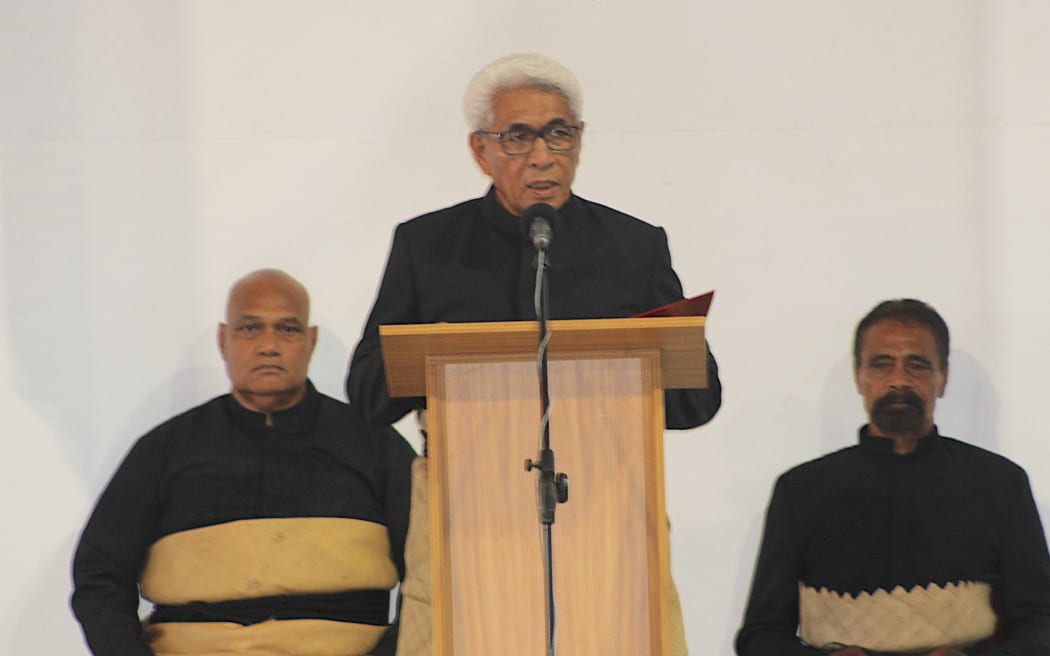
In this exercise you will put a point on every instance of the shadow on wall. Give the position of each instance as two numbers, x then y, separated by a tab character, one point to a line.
969	410
95	204
43	623
329	364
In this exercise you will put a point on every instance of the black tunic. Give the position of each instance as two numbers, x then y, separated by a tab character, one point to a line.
220	463
864	518
474	262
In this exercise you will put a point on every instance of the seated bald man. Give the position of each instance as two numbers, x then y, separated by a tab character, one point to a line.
265	521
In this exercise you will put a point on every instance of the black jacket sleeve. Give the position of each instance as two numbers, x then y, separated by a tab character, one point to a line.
110	555
395	303
683	408
772	615
692	408
1024	567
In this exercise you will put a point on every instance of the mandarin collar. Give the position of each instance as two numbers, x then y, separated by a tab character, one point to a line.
883	447
296	420
516	226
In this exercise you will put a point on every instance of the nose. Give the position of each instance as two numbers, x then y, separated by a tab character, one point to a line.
267	343
540	156
899	377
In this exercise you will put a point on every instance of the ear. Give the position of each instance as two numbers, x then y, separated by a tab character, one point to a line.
477	149
220	339
944	383
312	333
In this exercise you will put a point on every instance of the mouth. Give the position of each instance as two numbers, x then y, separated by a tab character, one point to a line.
268	368
542	187
900	400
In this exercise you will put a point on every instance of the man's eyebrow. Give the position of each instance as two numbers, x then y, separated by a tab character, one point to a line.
255	317
525	126
915	357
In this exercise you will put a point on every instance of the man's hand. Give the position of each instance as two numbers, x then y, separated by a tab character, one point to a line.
945	651
849	651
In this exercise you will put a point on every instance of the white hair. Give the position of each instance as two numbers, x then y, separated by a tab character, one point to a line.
515	72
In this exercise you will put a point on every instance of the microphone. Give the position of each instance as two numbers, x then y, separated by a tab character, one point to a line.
539	216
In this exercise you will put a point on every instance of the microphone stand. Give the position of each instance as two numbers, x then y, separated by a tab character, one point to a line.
552	488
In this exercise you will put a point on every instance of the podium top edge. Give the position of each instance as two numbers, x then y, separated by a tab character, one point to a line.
556	325
679	340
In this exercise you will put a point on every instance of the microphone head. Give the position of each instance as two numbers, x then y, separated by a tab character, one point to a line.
539	216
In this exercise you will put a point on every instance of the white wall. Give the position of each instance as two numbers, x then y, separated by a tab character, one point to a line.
808	159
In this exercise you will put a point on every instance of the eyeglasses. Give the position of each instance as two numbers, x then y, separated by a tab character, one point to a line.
520	140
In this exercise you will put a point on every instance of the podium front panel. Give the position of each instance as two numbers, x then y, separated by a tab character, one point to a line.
610	539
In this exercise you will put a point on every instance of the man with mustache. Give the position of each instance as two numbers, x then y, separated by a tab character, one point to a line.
909	542
265	521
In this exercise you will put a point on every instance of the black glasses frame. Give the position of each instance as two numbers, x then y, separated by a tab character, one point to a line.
541	133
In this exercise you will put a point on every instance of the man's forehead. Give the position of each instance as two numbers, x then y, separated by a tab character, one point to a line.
890	333
268	307
530	106
263	315
553	121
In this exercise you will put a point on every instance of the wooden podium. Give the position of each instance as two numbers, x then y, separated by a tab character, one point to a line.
611	552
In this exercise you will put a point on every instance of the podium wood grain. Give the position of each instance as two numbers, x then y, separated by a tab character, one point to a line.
610	539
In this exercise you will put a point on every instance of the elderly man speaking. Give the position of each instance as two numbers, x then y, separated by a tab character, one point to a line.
474	261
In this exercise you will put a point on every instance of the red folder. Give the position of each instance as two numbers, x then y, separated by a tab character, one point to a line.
697	306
